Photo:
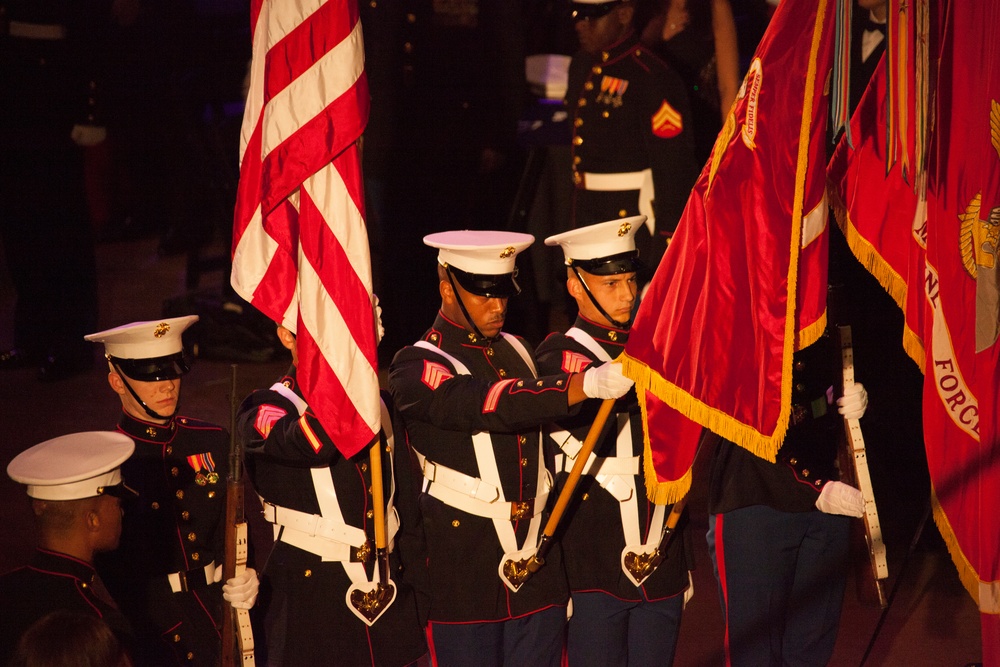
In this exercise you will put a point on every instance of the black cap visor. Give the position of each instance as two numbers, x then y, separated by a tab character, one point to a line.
169	367
583	11
612	265
502	286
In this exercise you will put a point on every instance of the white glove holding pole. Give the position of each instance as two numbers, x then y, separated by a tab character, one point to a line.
241	590
379	329
606	381
854	402
840	498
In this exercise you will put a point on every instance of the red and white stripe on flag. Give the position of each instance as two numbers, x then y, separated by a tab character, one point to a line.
300	245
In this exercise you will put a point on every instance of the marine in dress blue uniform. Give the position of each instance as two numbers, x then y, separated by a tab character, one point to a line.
633	146
780	555
472	403
620	617
778	532
166	573
320	505
76	488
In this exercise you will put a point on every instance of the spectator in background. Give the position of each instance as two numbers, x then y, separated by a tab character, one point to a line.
50	87
697	38
457	89
633	146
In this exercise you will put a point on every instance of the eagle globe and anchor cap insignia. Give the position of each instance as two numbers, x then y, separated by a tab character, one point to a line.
507	252
624	228
161	330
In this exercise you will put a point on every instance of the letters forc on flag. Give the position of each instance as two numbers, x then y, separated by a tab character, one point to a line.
743	282
300	246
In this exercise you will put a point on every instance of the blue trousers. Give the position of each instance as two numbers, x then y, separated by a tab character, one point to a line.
536	640
781	582
607	632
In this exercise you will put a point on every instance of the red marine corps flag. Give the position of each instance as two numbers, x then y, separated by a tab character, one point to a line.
300	246
743	283
940	258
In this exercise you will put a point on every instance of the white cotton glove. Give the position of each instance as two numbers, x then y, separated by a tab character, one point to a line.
379	329
241	590
689	592
840	498
854	402
88	135
606	381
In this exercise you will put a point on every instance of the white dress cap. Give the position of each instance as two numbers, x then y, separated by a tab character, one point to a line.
144	340
480	252
604	239
74	466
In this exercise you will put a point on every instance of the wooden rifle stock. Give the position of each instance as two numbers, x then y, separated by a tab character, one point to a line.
868	548
237	634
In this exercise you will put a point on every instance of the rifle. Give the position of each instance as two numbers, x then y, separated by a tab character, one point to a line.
237	634
853	464
535	563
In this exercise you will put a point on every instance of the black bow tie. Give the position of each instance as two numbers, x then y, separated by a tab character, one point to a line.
872	26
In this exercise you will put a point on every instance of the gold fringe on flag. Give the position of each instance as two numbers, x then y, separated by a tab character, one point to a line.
966	573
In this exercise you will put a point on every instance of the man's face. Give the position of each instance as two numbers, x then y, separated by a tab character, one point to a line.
597	34
487	313
161	396
109	509
876	6
615	294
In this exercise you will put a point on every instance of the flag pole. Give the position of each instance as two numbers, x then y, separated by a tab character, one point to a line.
565	495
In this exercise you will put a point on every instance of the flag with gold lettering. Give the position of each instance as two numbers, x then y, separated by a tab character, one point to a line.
743	283
960	290
939	258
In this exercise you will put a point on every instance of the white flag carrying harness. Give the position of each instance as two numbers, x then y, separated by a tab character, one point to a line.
483	496
327	534
615	474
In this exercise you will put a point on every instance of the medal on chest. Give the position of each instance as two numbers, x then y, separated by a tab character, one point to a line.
612	91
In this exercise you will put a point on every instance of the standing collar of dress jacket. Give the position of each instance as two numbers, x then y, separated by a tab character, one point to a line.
602	333
454	333
619	50
139	429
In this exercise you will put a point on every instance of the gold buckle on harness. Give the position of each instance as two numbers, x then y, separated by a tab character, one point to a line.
520	510
363	553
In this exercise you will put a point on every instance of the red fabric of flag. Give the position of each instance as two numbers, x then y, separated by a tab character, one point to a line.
300	246
960	289
940	260
880	214
743	282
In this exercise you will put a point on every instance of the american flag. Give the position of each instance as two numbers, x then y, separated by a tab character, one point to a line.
300	245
